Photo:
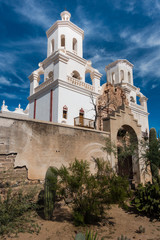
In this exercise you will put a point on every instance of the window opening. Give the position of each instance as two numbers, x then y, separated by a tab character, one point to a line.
81	117
62	40
65	110
75	44
52	45
122	75
129	77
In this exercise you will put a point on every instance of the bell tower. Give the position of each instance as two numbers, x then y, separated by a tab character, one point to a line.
66	36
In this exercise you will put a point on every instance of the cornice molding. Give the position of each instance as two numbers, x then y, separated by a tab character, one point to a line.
76	58
138	110
33	76
55	58
61	83
61	23
111	65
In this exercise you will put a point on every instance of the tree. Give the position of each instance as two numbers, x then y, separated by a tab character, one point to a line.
98	109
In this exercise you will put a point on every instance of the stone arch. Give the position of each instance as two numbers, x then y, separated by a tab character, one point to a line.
40	75
118	119
127	154
88	76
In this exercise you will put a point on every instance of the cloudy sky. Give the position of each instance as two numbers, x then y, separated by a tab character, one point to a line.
114	29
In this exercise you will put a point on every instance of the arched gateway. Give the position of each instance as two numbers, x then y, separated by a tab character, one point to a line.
124	132
127	154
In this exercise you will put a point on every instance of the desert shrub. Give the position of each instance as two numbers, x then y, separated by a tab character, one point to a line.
78	185
50	188
119	189
15	213
147	200
90	194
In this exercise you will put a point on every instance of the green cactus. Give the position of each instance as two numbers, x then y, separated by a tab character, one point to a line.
89	235
50	192
80	236
123	238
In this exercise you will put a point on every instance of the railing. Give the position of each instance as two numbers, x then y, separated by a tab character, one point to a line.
44	84
79	83
83	122
136	105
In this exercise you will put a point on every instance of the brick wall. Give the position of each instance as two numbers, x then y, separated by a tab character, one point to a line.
14	178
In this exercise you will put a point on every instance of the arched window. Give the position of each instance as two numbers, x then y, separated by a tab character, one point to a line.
132	99
76	74
88	77
81	117
113	77
122	75
50	74
129	77
52	46
63	40
75	44
65	110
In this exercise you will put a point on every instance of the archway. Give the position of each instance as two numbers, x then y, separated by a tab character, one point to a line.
127	152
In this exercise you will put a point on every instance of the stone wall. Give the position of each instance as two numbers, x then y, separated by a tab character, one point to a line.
37	145
14	178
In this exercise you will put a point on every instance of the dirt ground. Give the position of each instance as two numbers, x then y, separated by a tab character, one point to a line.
117	222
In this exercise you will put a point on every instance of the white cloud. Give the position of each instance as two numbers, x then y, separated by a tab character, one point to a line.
154	86
151	8
93	28
127	6
38	13
4	81
10	95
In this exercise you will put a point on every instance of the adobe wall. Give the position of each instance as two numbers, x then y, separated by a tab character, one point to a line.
15	178
38	145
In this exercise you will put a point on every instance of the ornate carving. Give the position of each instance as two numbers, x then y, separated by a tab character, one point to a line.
111	98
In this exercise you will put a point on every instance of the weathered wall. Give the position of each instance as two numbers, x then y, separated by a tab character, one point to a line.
15	178
39	145
124	117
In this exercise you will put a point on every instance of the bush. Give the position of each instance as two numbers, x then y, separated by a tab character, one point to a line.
147	200
13	213
90	194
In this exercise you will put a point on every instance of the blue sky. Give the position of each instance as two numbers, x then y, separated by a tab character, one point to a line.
117	29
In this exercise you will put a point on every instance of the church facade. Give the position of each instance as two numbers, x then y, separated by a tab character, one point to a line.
59	93
64	96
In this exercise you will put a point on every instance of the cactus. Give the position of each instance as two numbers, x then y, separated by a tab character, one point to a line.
80	236
50	192
123	238
89	235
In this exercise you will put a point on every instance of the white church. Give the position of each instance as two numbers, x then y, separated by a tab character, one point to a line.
64	96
